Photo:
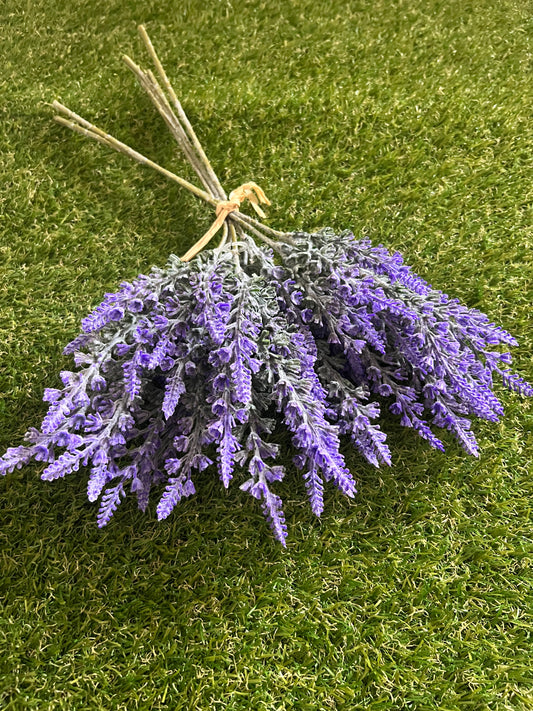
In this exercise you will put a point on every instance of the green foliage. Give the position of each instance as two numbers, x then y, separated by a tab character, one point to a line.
408	121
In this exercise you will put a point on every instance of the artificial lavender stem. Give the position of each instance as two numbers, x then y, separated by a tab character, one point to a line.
258	233
225	232
181	113
235	247
158	98
83	126
185	144
246	221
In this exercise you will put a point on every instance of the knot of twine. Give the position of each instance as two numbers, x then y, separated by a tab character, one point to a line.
247	191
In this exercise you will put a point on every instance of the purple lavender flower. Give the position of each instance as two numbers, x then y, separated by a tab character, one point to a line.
196	357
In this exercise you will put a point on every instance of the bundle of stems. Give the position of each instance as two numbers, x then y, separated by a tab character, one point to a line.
167	103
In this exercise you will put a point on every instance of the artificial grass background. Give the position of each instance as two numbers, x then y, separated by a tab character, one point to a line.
406	121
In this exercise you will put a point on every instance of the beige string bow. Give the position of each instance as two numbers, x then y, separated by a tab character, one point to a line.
248	191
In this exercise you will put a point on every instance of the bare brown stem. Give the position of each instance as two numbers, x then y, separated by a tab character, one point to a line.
81	125
181	113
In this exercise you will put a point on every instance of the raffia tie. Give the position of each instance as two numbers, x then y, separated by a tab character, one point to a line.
247	191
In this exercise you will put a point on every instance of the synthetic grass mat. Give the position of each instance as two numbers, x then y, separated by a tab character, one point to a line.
409	122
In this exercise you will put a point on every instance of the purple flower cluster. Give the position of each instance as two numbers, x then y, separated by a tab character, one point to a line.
191	363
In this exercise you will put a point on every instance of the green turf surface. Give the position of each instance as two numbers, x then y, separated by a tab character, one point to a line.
406	121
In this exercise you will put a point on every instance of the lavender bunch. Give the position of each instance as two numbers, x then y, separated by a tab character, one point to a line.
193	365
191	362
